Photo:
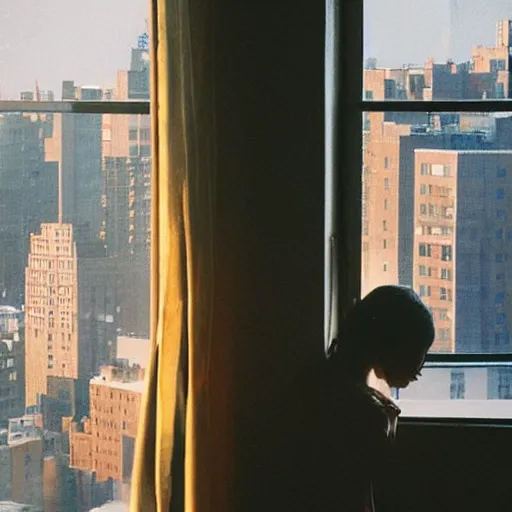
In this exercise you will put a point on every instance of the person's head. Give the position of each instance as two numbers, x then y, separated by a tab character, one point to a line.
390	331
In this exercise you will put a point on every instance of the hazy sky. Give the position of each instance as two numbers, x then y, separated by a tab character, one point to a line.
408	31
88	40
55	40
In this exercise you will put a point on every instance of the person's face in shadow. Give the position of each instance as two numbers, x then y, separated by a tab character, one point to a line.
400	368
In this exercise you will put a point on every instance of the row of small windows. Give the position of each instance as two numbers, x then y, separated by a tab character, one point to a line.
444	293
425	250
435	170
435	210
429	190
445	273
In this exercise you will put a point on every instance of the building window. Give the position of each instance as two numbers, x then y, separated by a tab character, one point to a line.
500	319
500	193
502	172
501	339
443	314
443	334
384	225
386	162
443	293
423	190
385	204
499	298
446	274
500	214
425	169
384	244
446	252
504	384
457	385
368	95
500	257
431	210
425	291
423	209
499	234
424	270
425	250
386	183
385	267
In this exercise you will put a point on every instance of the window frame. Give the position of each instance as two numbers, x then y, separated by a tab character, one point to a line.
347	162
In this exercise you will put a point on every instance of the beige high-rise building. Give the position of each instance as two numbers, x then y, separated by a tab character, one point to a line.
462	244
51	310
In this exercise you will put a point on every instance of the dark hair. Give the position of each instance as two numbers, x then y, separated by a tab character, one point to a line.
390	320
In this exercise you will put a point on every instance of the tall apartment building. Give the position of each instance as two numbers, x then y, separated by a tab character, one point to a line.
462	244
70	309
388	192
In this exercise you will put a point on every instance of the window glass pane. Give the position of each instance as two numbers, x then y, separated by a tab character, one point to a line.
459	50
454	392
75	203
446	222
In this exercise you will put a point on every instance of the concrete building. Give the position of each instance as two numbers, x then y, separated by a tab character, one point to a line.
462	245
70	309
75	144
388	192
28	196
104	443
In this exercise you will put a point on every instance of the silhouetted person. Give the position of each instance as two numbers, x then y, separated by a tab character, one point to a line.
337	427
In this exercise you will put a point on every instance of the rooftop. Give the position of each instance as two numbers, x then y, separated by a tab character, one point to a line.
137	386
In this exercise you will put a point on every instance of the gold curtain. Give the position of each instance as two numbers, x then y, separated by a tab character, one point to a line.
174	416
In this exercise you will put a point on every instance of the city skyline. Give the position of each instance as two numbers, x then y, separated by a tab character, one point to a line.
55	44
395	33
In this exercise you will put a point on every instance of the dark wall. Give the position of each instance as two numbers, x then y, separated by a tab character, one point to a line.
441	467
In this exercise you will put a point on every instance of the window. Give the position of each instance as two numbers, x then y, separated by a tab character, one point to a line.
457	385
500	298
385	204
368	95
425	271
423	190
443	293
423	209
500	194
386	183
425	291
386	162
500	214
446	252
500	319
425	250
384	244
501	339
446	274
425	169
385	267
499	234
443	314
502	172
500	257
384	225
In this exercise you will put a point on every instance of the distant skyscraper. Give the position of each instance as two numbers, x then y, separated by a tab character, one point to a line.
28	196
70	324
75	143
